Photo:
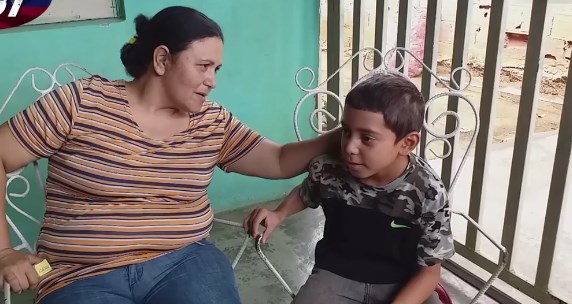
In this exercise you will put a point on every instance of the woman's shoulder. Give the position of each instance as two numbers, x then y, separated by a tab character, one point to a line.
94	84
101	83
99	90
212	105
73	93
215	110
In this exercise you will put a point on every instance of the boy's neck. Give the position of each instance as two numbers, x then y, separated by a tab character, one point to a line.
390	174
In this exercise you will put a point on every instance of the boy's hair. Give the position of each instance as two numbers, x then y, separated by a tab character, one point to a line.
395	97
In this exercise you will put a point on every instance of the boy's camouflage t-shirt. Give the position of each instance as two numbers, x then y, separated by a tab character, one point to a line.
412	211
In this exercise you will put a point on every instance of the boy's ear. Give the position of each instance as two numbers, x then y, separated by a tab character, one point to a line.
409	143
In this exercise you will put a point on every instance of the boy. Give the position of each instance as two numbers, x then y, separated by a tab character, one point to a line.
387	212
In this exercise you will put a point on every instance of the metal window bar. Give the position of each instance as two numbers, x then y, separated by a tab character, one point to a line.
381	22
487	111
557	189
431	48
333	59
403	33
460	50
539	289
356	39
526	118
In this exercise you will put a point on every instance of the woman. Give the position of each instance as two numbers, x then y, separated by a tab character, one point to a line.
129	165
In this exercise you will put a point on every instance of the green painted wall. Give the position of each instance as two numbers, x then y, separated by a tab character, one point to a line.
266	42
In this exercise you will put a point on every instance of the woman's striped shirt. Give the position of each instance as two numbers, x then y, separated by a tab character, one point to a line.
114	196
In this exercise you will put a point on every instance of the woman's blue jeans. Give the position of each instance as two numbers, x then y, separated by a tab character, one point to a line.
198	273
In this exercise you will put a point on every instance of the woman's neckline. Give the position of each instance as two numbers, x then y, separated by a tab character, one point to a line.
122	88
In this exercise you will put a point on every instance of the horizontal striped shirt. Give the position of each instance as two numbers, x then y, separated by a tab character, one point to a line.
115	196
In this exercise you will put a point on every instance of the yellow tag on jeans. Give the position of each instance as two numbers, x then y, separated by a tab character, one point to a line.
43	267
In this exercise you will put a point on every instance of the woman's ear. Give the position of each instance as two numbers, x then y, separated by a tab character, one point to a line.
409	143
160	59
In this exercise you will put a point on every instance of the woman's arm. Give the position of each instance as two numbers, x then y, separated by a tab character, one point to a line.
12	157
420	287
15	267
270	160
37	132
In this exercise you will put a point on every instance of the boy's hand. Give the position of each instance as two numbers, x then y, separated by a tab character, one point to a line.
262	216
17	268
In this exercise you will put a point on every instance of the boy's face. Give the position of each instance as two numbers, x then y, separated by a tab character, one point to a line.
369	147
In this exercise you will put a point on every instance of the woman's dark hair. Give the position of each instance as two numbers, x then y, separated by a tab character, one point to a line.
174	27
395	97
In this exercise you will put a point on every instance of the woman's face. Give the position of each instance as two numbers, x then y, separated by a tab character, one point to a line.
191	74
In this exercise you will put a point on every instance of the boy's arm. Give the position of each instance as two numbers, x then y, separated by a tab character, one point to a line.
435	245
303	196
420	287
291	205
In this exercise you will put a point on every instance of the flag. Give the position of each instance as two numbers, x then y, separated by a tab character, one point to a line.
29	10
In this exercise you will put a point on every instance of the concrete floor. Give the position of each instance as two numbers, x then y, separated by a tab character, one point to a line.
291	251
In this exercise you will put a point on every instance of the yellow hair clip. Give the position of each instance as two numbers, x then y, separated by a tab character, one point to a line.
132	40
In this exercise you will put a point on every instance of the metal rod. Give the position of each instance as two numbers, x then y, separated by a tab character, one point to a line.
487	113
526	120
430	51
556	196
271	267
460	50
